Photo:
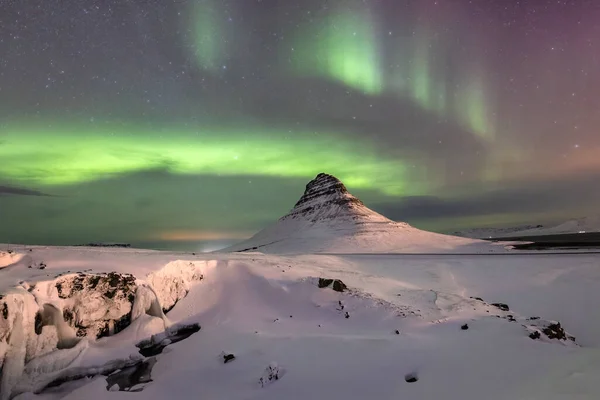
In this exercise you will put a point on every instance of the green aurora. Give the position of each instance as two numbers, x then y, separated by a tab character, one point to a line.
208	46
174	119
345	48
77	153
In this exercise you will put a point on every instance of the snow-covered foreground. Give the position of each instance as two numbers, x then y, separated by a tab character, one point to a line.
402	317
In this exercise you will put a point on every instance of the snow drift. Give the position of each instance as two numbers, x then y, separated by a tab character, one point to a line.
342	326
328	219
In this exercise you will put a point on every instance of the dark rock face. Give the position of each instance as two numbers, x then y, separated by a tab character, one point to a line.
90	295
464	327
323	283
552	331
501	306
322	195
555	331
338	285
411	378
535	335
228	357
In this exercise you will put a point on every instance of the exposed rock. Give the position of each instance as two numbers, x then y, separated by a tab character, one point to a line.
228	357
535	335
476	298
324	198
323	283
346	315
551	330
501	306
464	327
397	332
97	305
338	285
411	378
555	331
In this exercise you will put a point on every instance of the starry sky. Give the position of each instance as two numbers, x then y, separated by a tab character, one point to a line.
198	122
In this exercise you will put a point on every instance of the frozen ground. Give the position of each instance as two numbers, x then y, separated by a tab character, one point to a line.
404	319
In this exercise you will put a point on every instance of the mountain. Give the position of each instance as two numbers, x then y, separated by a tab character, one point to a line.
486	233
578	225
328	219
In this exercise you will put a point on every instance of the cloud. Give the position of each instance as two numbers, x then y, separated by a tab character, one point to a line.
17	191
551	197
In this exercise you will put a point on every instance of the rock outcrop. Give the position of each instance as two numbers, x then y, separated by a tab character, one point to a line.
325	198
97	305
57	315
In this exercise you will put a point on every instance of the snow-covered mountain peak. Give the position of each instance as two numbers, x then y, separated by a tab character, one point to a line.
327	218
326	198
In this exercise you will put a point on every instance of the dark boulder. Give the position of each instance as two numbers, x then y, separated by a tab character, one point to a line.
339	286
535	335
555	331
323	283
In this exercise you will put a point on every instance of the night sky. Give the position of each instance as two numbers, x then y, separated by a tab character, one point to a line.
202	120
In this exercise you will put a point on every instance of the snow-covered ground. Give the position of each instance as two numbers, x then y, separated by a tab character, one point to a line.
401	317
9	257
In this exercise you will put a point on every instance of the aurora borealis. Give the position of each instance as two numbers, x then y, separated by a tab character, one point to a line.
202	120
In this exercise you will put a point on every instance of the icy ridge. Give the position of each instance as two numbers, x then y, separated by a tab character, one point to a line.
40	321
